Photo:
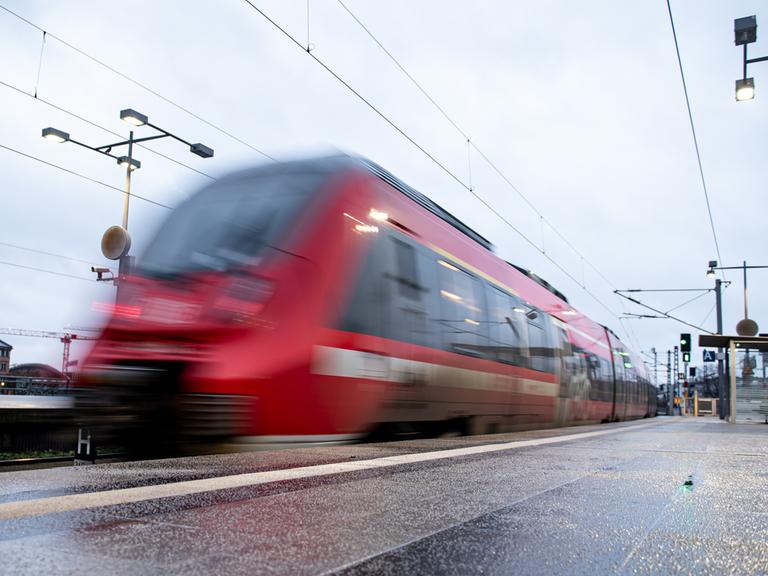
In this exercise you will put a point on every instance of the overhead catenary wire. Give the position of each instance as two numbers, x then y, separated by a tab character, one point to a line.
360	96
664	314
439	164
709	313
404	71
65	275
94	124
139	84
83	176
168	100
687	302
471	143
37	251
543	220
628	328
40	64
693	133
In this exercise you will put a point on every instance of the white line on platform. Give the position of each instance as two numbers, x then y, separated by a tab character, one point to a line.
73	502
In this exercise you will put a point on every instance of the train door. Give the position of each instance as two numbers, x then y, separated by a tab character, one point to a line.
508	345
409	327
563	355
461	387
573	374
543	358
621	385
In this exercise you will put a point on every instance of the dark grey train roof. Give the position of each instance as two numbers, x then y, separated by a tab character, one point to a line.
443	214
425	202
540	281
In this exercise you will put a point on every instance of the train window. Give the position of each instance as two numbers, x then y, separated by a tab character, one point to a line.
620	376
573	376
228	224
601	378
539	341
369	301
462	317
607	377
407	275
508	329
410	269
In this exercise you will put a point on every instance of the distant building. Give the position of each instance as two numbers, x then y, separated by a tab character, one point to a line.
34	379
36	371
5	356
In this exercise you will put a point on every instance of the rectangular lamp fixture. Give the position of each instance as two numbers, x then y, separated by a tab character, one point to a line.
123	161
133	117
55	135
201	150
745	89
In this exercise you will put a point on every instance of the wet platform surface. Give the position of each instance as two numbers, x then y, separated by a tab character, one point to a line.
665	496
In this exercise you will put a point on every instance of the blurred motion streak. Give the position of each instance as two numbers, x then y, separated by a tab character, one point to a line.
260	312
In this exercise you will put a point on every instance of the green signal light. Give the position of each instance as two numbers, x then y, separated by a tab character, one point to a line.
685	342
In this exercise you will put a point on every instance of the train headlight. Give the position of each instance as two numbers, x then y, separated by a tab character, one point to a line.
378	215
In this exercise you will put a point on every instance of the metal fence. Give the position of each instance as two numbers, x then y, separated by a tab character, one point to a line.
33	385
36	414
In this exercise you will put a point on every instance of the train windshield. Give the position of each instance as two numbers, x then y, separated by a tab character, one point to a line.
227	225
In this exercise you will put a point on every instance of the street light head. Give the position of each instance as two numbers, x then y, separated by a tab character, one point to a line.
745	89
745	30
55	135
125	161
712	266
201	150
133	117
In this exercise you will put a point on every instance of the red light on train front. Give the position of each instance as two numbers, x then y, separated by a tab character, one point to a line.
117	310
242	300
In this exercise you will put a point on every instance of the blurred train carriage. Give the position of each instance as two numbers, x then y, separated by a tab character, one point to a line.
323	300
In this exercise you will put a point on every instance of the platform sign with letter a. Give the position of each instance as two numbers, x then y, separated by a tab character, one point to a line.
709	355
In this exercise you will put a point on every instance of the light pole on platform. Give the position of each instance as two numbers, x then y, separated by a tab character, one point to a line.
116	242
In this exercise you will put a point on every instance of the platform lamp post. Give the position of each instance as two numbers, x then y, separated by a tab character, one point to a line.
116	242
745	33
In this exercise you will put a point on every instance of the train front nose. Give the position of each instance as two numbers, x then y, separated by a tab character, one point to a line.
145	408
129	403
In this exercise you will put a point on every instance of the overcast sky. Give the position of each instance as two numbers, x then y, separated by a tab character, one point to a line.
579	105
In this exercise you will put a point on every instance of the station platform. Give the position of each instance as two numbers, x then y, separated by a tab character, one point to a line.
670	495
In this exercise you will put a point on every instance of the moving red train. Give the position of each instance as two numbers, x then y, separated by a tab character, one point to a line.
325	300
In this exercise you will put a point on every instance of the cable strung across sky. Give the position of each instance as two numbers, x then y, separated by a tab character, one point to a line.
139	84
83	176
693	133
94	124
609	162
430	156
381	114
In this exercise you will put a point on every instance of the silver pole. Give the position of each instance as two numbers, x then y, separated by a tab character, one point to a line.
128	181
746	315
732	399
720	365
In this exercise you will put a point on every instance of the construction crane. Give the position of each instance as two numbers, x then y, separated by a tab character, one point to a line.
64	337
